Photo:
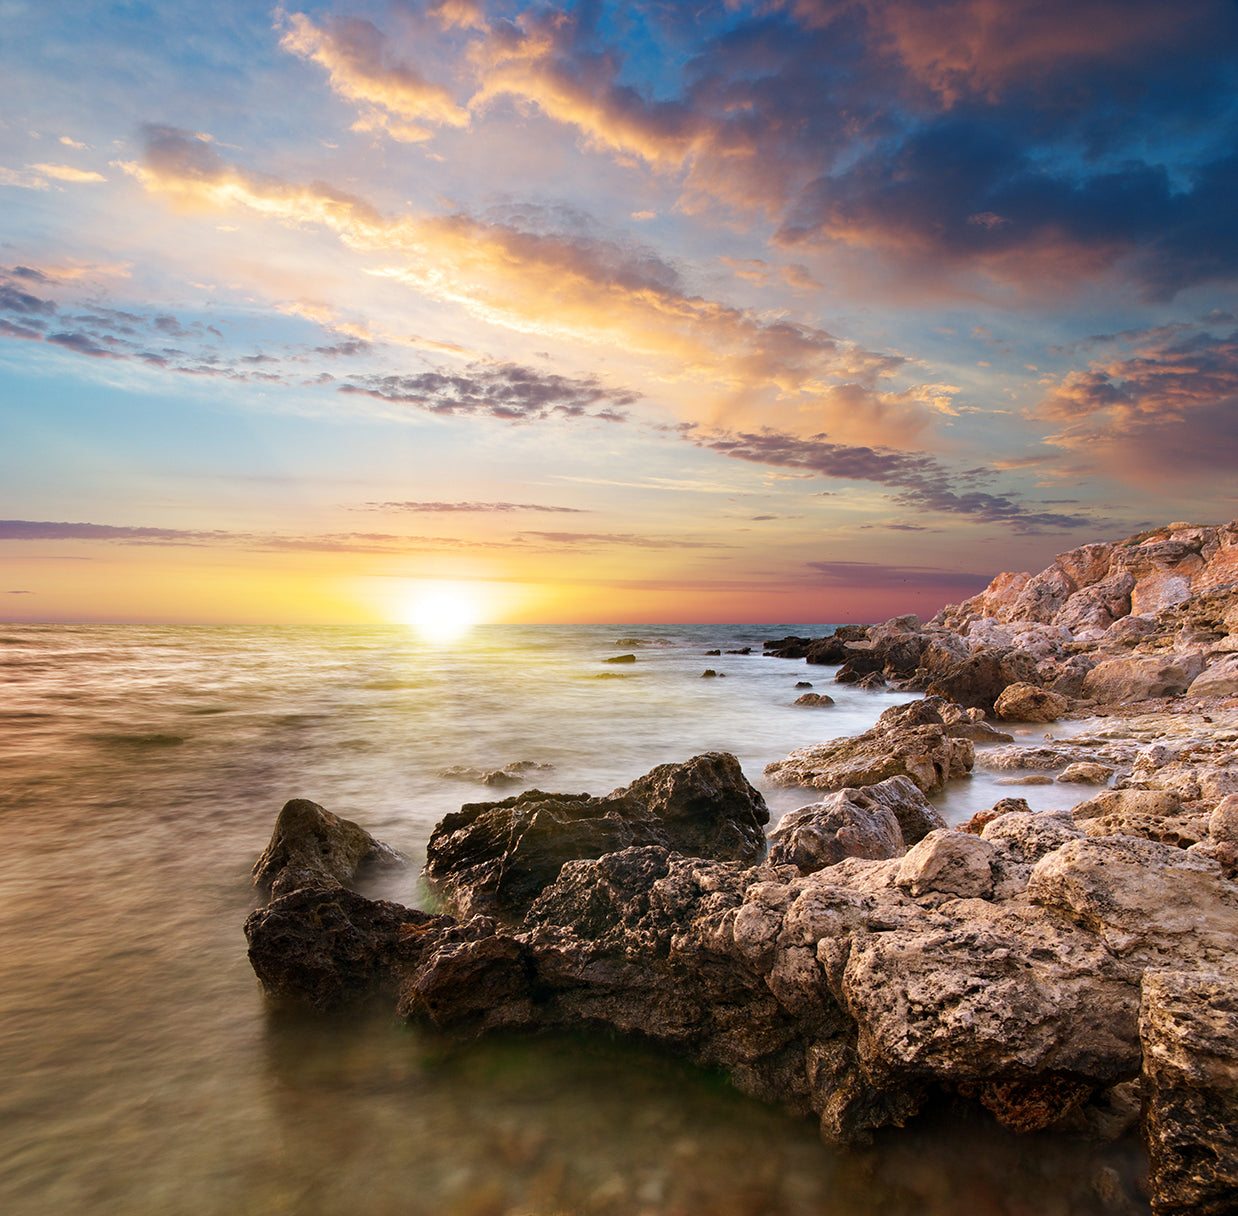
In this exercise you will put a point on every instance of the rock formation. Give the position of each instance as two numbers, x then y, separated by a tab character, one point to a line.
1075	970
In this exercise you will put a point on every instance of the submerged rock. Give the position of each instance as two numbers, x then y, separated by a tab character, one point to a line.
496	857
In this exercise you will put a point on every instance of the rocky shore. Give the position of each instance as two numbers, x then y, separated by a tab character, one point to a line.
1074	969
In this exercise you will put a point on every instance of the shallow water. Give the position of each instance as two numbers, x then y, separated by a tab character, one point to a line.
142	768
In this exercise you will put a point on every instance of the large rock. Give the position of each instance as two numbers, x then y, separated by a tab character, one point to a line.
1218	680
1027	703
978	680
311	847
496	857
1043	596
1188	1028
907	741
1142	676
1091	610
875	821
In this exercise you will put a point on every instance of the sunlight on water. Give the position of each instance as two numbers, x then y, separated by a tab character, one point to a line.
143	768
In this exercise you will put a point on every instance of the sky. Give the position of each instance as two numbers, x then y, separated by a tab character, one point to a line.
795	310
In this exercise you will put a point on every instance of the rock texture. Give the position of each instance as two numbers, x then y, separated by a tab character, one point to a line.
912	740
496	857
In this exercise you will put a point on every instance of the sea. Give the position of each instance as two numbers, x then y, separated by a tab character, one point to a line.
142	1071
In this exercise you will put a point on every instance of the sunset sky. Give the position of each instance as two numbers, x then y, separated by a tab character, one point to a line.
798	310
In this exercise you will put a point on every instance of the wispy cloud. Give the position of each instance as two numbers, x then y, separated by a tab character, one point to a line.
470	508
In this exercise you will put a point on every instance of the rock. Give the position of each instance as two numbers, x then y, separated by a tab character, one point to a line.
1042	596
1223	822
1027	836
1130	631
1004	806
328	947
803	684
497	857
1188	1028
745	650
871	682
1092	610
822	835
1084	772
1157	803
1086	565
1218	680
621	658
876	821
311	847
953	863
710	674
1139	677
814	698
1027	703
908	740
977	681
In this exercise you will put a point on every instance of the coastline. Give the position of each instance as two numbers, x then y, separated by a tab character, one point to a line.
1070	970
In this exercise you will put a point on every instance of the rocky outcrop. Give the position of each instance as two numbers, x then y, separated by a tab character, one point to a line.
497	857
311	847
912	740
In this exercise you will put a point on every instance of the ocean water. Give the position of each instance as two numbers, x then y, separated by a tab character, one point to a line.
141	769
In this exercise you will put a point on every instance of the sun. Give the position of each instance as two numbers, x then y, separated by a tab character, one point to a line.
442	615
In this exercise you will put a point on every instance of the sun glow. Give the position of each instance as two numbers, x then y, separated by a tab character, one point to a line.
442	614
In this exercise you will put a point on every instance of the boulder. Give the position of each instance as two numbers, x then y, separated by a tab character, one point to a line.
977	681
1085	772
1220	679
1027	703
311	847
949	862
823	834
1142	676
1042	596
1093	609
1087	564
908	740
875	821
814	698
496	857
1188	1029
328	947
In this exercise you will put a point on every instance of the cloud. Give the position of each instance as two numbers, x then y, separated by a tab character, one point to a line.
346	542
471	508
915	480
606	540
534	271
508	392
1163	404
394	96
66	173
872	576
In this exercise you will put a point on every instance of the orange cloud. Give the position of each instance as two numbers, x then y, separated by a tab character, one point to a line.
587	290
393	96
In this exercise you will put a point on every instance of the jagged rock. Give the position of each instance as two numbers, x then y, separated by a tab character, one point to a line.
311	847
1188	1028
871	682
1026	836
1142	676
1130	631
1093	609
1218	680
1086	565
1027	703
1223	822
621	658
814	698
1043	596
875	821
908	740
496	857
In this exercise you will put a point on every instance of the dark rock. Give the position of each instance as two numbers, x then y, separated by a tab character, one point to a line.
621	658
710	674
871	682
976	682
745	650
1189	1031
790	647
327	947
713	652
803	684
814	698
311	847
497	857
